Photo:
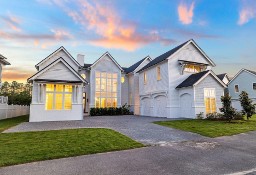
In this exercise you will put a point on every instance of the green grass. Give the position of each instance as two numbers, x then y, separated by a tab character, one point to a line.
212	128
17	148
7	123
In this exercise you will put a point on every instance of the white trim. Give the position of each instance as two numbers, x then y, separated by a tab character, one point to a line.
214	75
55	52
110	58
148	57
198	48
54	63
239	73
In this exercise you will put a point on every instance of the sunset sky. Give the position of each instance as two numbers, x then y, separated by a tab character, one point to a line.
129	30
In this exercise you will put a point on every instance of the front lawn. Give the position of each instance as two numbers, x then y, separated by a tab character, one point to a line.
212	128
17	148
10	122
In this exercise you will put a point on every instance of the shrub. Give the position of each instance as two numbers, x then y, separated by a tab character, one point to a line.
215	116
227	109
200	116
123	110
246	103
238	116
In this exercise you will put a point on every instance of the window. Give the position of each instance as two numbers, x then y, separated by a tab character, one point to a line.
58	97
209	100
145	77
158	72
236	88
122	80
192	68
83	75
254	86
105	90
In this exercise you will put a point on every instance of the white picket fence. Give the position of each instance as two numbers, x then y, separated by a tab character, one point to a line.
10	111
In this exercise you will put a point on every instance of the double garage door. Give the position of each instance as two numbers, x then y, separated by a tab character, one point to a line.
156	107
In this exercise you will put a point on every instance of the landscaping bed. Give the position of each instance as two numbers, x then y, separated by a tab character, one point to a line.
211	128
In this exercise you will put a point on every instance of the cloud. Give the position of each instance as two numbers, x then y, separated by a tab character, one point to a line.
186	13
247	12
11	22
111	31
15	74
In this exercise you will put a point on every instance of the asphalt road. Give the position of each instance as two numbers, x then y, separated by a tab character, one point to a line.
226	155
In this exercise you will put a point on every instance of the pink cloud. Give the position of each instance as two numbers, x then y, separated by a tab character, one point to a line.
186	13
106	23
247	12
11	22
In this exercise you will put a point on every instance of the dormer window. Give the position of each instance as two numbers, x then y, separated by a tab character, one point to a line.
192	68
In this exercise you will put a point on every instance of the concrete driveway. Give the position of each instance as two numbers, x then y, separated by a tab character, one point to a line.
226	155
136	127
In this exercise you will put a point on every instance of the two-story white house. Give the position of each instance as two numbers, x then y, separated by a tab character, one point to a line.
179	83
3	62
244	80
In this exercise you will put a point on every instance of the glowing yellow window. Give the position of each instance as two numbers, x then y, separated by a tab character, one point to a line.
209	100
49	101
58	101
68	102
59	88
68	88
50	87
122	79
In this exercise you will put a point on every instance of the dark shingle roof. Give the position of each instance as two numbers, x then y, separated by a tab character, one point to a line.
134	66
3	60
253	72
192	79
221	76
87	65
163	56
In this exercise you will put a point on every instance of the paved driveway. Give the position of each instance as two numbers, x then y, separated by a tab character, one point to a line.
226	155
137	127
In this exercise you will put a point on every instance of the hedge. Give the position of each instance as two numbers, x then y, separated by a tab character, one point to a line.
124	110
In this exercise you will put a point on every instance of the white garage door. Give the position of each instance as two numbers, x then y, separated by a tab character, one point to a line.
145	107
186	106
160	104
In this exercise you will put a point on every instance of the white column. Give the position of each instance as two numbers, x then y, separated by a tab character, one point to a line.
38	92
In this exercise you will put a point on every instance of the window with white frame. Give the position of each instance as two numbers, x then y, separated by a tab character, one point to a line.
254	86
58	97
192	68
210	100
236	88
105	90
158	73
145	77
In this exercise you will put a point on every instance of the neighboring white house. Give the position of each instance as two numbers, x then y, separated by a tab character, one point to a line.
3	62
224	77
244	80
179	83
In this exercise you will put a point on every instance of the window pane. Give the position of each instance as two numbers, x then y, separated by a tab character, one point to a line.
236	88
114	85
49	87
49	101
122	80
207	105
114	76
59	88
97	94
58	101
68	102
97	102
103	102
103	84
114	94
109	102
254	86
109	75
97	74
103	74
114	102
68	88
213	105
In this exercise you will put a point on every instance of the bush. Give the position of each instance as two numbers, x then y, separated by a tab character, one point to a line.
200	116
123	110
227	110
247	105
238	116
215	116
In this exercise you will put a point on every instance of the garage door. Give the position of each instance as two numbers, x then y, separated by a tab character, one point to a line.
186	106
145	107
160	106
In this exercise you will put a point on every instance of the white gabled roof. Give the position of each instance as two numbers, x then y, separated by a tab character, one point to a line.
55	52
34	77
246	70
110	56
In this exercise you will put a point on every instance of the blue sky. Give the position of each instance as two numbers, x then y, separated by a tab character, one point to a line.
129	30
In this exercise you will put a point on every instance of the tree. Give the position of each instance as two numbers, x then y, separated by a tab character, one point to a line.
227	109
246	103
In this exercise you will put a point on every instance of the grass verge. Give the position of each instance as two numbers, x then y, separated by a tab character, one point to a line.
10	122
210	128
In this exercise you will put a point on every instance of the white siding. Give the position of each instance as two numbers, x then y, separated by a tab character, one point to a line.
59	72
208	82
57	55
105	64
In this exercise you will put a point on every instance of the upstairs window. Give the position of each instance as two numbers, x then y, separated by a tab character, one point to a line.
158	73
192	68
122	80
145	77
236	88
254	86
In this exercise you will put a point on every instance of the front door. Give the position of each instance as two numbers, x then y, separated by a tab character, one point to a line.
84	102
